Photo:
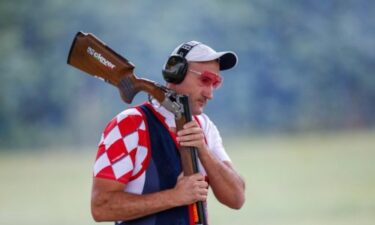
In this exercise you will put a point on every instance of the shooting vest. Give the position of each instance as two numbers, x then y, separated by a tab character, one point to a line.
162	172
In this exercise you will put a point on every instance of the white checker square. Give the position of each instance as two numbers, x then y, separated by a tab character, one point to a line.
136	186
139	158
142	126
112	136
123	166
127	113
131	141
101	163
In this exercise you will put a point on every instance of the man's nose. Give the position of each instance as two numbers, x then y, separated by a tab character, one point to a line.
208	92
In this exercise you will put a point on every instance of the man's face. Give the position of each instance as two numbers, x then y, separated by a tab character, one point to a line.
199	87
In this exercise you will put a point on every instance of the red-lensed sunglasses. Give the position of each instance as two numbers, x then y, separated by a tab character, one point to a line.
208	78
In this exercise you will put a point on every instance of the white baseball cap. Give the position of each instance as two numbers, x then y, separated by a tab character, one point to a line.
195	51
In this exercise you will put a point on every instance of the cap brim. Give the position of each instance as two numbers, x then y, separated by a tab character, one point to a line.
227	60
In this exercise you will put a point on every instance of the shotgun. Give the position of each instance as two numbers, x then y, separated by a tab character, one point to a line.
91	55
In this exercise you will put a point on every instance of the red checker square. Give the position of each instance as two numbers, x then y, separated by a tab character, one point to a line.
116	151
143	138
125	178
129	124
101	150
133	155
107	173
109	127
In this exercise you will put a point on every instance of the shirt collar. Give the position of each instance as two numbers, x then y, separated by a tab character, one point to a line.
167	115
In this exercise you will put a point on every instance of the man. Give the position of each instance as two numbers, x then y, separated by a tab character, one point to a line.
137	173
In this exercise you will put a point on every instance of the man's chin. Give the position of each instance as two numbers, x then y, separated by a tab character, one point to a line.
198	107
197	111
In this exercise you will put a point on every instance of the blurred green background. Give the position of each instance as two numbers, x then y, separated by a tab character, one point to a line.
296	114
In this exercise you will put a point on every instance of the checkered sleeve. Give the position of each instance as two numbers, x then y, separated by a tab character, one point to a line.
123	150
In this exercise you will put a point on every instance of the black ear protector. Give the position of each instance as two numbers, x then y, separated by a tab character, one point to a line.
176	67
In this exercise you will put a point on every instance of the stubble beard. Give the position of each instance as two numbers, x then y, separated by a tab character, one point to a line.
198	106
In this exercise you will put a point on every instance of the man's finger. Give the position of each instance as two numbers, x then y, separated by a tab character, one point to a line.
190	124
188	131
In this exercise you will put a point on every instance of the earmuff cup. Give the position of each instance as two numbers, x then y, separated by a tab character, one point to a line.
175	69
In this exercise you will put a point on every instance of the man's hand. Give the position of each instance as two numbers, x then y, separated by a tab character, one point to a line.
227	185
192	135
110	203
190	189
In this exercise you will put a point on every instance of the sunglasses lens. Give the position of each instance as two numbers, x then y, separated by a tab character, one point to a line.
211	79
206	81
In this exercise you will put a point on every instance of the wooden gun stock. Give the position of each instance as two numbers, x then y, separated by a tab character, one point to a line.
94	57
